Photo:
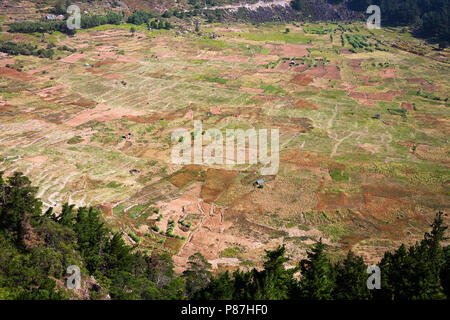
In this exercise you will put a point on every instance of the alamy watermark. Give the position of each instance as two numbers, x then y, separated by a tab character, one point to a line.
74	20
374	21
74	279
374	280
186	152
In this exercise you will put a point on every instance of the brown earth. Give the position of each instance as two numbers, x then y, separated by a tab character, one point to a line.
75	57
186	175
301	79
302	104
216	182
14	74
102	113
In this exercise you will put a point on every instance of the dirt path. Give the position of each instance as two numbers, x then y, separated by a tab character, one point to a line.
200	225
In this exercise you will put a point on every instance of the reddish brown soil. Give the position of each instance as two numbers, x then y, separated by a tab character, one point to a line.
330	200
345	51
288	50
216	182
103	63
305	158
187	175
318	71
37	70
113	76
407	106
302	79
361	97
302	104
4	62
332	73
265	98
388	73
73	58
385	191
368	98
106	209
85	104
14	74
251	90
122	58
356	65
101	113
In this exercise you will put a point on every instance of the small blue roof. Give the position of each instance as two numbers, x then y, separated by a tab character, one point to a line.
260	181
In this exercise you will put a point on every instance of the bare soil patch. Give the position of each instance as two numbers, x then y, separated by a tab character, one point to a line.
75	57
187	175
102	113
388	73
4	62
332	73
216	182
407	106
331	200
251	90
14	74
305	158
302	104
288	50
302	79
356	65
318	71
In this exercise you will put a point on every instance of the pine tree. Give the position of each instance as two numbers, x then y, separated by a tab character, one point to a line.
274	282
17	198
318	278
445	273
198	275
220	288
414	273
351	279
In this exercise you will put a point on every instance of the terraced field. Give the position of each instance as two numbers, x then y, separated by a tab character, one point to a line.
363	122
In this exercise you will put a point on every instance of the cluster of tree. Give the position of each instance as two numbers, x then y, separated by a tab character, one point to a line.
41	27
98	20
420	272
50	26
151	19
159	24
37	248
430	17
61	7
13	48
141	17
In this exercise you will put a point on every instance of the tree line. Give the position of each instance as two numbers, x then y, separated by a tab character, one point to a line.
36	248
421	272
13	48
430	18
87	21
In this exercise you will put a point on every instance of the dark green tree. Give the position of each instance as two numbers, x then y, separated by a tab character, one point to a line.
198	275
414	273
317	275
351	278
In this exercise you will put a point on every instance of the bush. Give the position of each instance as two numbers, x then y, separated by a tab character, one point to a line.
13	48
134	237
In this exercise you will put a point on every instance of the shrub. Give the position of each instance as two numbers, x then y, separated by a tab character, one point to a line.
134	237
